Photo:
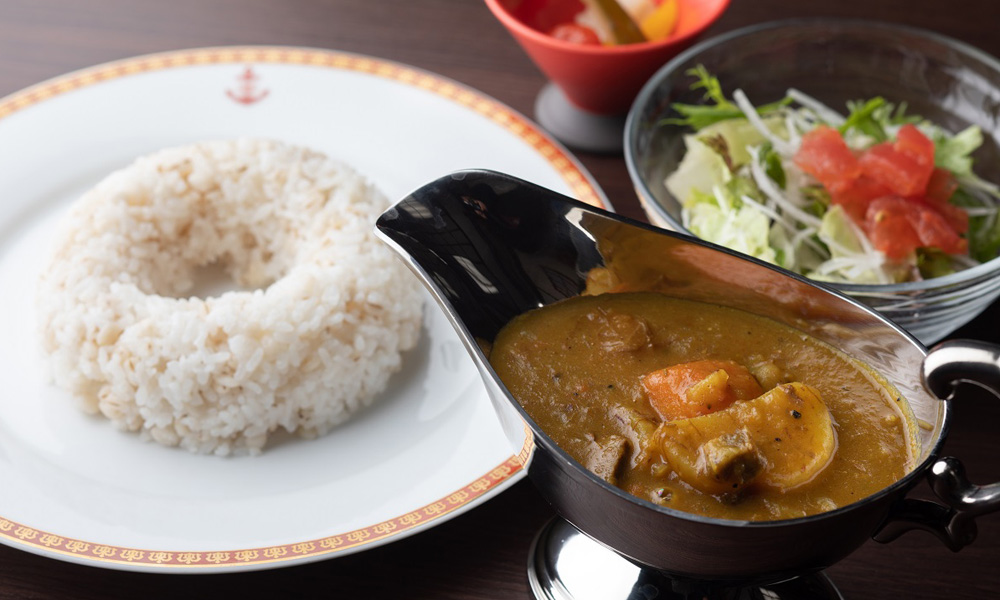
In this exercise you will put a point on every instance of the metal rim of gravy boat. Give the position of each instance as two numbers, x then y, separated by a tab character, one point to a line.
913	514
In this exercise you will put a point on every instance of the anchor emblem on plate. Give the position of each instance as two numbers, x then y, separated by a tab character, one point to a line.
246	92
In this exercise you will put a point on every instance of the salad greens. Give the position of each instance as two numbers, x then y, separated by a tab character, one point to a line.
719	108
740	186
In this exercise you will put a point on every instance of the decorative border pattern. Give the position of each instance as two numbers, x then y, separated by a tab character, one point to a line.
460	94
23	536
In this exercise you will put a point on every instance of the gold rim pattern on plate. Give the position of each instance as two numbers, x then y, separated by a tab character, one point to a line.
26	537
436	84
22	535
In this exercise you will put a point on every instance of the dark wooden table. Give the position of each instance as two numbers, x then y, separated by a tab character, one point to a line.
481	554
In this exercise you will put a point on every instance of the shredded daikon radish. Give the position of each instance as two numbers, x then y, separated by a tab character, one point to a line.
770	212
772	192
980	211
824	112
780	145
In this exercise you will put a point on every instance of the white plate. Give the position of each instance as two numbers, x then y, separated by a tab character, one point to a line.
76	489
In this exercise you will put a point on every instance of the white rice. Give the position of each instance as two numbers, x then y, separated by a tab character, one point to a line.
316	340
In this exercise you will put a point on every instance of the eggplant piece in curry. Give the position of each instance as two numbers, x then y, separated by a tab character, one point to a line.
705	409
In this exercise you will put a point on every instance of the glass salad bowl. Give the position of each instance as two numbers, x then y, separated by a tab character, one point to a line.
834	62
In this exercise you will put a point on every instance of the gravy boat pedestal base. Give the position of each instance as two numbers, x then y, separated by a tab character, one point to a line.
564	564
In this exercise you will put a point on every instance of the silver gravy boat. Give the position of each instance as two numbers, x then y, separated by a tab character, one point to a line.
489	246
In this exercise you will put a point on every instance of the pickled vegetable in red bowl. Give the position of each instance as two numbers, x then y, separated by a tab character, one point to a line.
596	22
600	78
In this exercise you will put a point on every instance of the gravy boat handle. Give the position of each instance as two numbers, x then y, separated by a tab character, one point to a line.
947	367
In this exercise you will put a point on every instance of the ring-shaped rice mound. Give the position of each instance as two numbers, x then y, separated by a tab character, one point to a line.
327	312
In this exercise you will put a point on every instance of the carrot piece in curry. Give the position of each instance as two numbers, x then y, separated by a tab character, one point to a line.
698	388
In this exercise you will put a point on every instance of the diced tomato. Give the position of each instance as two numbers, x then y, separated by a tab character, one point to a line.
545	15
892	190
956	218
575	34
824	155
895	170
935	232
911	142
940	189
898	226
941	186
888	223
855	196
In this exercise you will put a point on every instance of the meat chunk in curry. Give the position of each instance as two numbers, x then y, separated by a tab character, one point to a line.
705	409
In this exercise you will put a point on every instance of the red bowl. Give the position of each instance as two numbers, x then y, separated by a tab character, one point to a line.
602	79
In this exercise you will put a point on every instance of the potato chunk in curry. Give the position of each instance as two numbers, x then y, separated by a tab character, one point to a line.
703	408
781	439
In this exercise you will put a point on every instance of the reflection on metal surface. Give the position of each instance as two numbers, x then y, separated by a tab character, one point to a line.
564	564
952	363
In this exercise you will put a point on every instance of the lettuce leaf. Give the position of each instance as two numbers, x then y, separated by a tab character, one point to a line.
862	117
875	117
954	152
836	232
933	263
703	167
722	218
984	230
772	165
849	260
985	245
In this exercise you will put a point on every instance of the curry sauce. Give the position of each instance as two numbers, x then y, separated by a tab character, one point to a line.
703	408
